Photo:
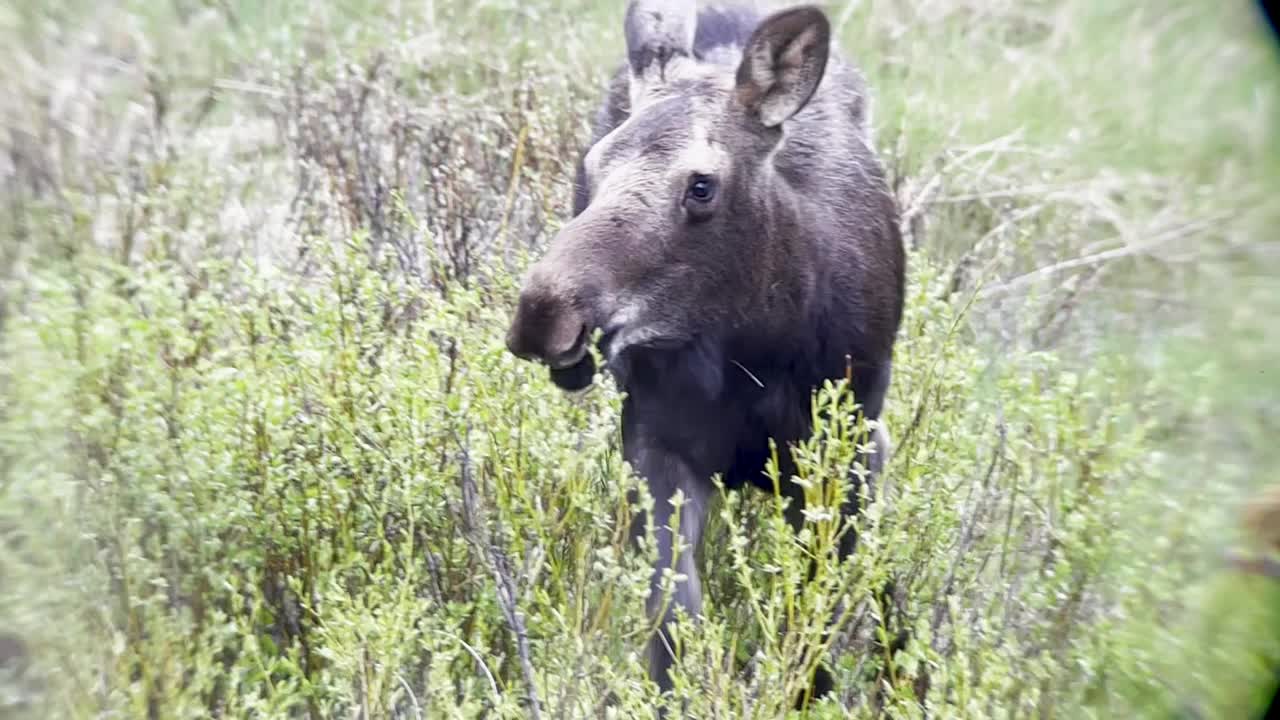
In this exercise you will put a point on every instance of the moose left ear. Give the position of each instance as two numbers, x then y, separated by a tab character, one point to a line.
658	30
783	63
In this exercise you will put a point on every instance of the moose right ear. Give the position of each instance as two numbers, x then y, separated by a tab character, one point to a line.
783	63
657	31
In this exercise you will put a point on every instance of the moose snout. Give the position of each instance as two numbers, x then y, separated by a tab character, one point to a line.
547	327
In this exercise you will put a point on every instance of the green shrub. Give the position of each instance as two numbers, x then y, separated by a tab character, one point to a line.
263	453
287	499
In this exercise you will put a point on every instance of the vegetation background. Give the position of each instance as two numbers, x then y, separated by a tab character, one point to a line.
262	453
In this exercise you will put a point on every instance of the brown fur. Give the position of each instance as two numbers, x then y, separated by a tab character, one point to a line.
721	315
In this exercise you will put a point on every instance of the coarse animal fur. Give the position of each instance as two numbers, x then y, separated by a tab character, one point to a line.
735	242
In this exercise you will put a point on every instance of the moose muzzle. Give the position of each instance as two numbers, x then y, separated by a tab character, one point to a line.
548	327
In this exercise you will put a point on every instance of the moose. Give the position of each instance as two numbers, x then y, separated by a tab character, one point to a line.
733	245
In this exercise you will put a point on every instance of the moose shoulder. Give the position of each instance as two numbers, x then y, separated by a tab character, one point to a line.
736	244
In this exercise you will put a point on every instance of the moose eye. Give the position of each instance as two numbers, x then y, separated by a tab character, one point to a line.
702	189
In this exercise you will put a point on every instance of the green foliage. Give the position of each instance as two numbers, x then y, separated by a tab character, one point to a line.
297	499
263	453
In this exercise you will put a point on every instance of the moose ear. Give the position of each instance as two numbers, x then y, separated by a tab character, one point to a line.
783	63
658	30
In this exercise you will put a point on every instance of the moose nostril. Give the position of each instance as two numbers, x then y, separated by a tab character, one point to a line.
547	328
571	354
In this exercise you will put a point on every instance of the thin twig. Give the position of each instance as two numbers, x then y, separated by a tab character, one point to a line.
500	567
748	372
517	164
1099	257
475	654
417	710
252	88
967	536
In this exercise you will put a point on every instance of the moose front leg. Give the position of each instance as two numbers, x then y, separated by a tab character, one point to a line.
677	532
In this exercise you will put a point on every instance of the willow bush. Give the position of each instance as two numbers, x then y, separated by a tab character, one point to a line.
263	452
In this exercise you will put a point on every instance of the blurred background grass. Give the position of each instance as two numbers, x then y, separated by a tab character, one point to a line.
255	266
